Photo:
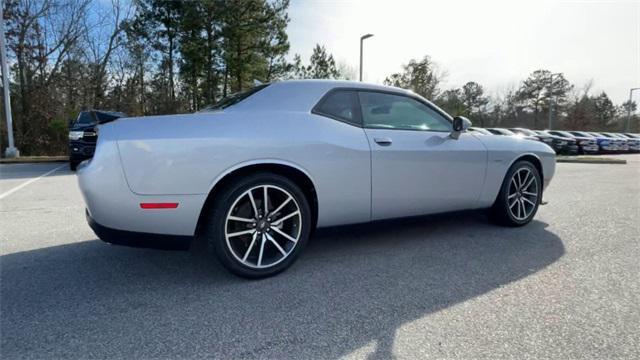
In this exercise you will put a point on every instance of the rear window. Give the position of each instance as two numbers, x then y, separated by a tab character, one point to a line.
234	98
340	105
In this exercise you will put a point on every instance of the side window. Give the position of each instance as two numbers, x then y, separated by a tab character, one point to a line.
340	105
389	111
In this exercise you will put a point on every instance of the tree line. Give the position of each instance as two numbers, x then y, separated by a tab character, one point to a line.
527	105
145	57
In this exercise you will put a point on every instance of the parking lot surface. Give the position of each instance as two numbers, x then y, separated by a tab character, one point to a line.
449	286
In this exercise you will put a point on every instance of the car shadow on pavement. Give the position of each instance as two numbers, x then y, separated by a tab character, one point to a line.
352	288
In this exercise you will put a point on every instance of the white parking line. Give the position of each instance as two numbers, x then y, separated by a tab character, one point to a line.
9	192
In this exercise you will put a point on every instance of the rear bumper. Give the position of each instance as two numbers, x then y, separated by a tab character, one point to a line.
138	239
112	204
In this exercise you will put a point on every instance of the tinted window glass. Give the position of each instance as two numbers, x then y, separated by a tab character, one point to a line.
523	132
580	133
104	117
505	132
86	118
234	98
388	111
341	104
564	133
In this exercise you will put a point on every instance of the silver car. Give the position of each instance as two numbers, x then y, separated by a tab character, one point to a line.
256	172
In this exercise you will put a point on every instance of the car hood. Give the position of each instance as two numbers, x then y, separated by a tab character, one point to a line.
82	127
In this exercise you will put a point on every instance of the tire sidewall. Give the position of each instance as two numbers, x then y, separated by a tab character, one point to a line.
217	222
504	193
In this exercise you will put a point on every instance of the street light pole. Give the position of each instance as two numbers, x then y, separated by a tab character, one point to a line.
11	150
362	38
550	98
627	128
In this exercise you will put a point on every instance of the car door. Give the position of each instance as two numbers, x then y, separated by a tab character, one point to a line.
416	167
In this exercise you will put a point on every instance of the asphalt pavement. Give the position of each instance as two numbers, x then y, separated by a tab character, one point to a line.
567	286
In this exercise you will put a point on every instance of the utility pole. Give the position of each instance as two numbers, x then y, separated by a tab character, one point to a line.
551	99
11	150
362	38
627	128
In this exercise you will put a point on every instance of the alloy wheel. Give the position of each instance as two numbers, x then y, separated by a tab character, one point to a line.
263	226
522	196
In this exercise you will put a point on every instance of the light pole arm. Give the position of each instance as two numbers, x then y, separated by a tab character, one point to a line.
362	38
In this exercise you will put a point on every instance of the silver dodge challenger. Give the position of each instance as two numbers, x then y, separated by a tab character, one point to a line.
255	173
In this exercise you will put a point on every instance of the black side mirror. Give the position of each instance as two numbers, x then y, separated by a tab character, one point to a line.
71	121
458	123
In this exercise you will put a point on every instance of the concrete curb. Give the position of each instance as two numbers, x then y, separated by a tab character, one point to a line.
589	160
34	159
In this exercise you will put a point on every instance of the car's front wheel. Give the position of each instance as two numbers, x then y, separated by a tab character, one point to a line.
520	195
258	225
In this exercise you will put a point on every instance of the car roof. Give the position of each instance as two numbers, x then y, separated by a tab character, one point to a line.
338	83
303	95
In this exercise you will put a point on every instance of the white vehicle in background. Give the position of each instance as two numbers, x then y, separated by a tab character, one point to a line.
482	131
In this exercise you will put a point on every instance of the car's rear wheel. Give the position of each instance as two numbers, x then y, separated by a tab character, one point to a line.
259	225
519	196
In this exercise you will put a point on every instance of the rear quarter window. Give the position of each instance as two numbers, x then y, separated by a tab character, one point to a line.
340	105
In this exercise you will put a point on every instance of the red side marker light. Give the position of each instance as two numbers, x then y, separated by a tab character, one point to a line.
158	205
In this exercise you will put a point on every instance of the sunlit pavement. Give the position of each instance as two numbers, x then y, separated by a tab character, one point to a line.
449	286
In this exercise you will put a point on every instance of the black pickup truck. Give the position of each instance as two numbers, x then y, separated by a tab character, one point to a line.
83	134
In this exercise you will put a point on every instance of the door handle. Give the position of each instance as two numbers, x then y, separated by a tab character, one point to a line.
385	141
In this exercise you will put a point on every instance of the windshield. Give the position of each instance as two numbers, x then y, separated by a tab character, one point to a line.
481	131
101	117
506	132
86	118
565	134
523	132
580	133
234	98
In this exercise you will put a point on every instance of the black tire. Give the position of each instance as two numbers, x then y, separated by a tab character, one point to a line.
73	165
216	224
500	211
